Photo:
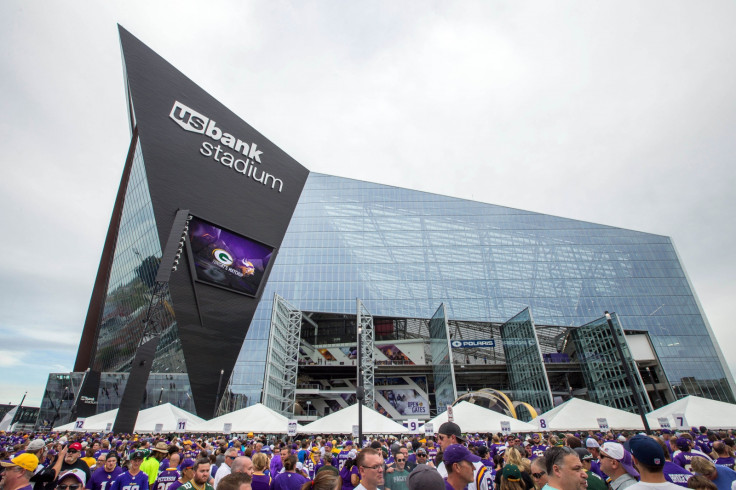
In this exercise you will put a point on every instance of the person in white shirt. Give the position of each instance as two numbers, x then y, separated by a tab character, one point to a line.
649	460
224	468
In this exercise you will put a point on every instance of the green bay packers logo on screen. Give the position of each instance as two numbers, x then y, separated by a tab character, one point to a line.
222	256
245	157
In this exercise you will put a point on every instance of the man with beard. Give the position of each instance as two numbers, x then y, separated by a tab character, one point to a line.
201	478
103	476
187	473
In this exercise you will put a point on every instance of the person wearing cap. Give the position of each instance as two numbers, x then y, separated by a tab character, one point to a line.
425	477
71	480
722	476
564	469
536	447
686	452
72	460
18	472
649	458
449	434
103	476
459	464
134	478
616	462
591	444
186	469
153	461
595	482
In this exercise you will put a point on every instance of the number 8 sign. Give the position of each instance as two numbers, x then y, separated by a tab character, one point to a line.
543	425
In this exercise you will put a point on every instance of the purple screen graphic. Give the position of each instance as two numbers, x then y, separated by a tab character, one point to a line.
226	259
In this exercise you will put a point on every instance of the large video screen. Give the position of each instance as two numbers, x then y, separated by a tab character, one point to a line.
226	259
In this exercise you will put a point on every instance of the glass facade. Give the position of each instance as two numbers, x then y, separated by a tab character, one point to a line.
130	284
527	375
443	373
404	252
603	366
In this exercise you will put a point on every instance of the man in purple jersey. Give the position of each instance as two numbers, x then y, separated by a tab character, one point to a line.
343	455
672	472
103	476
537	448
685	456
187	473
166	478
313	463
703	441
134	478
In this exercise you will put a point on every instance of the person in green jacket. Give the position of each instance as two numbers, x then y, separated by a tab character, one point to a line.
151	464
595	482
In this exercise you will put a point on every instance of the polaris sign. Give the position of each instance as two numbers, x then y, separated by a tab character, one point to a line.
465	344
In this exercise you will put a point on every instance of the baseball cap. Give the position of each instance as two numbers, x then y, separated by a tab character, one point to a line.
75	446
666	431
511	472
421	452
35	445
584	454
616	451
137	455
456	453
590	442
76	473
647	451
451	429
27	461
426	478
187	463
683	443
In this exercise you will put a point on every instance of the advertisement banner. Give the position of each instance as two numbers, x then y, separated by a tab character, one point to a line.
406	395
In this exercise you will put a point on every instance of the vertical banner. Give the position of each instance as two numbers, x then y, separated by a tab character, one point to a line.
602	423
356	431
506	427
227	428
429	429
158	428
450	416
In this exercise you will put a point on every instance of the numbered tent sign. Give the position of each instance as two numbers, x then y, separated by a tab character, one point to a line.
664	423
227	428
291	429
450	416
543	424
356	430
412	425
158	428
680	421
79	424
506	427
602	423
429	429
181	425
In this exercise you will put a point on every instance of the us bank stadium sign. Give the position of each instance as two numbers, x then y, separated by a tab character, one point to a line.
245	157
466	344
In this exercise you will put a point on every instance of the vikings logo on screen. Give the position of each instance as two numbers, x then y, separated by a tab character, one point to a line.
226	259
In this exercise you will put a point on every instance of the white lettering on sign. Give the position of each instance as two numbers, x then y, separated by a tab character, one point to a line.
228	150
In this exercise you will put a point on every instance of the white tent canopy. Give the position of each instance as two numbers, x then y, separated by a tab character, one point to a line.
257	418
94	423
342	421
474	418
697	411
577	414
168	416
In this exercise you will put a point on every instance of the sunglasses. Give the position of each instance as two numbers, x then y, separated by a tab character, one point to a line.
400	460
539	475
69	487
72	451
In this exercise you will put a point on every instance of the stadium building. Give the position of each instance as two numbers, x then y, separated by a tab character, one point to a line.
280	268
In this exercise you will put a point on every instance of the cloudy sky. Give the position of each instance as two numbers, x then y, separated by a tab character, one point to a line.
617	112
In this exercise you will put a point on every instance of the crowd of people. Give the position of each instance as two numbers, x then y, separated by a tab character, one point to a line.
698	459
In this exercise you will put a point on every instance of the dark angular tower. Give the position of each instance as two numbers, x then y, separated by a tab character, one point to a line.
187	151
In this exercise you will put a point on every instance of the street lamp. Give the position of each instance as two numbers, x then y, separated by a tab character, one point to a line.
629	375
217	397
